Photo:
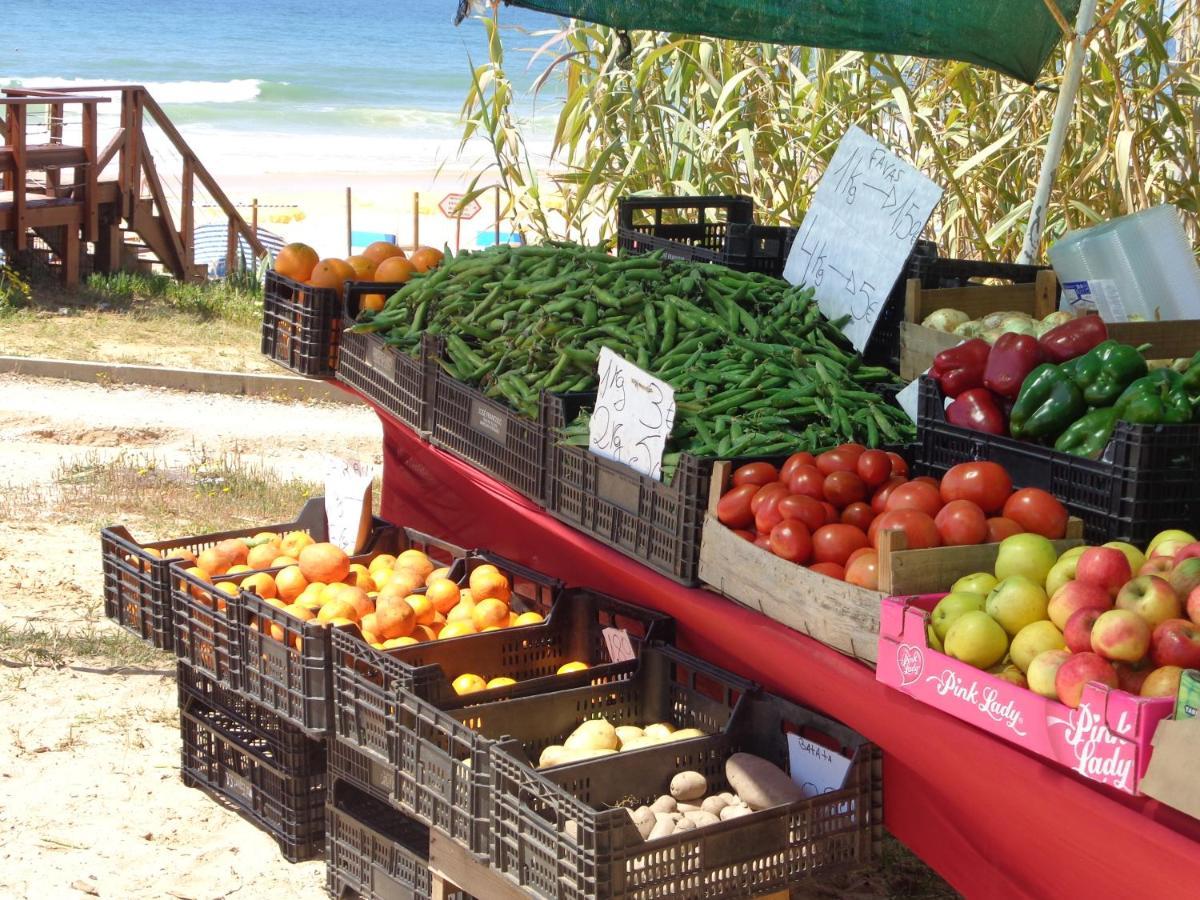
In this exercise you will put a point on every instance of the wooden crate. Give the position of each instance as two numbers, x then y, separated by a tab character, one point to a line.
841	615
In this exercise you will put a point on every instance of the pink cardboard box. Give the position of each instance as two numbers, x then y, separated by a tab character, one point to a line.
1107	739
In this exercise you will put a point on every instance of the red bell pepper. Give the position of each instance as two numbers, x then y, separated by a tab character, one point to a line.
1072	339
978	411
961	368
1013	357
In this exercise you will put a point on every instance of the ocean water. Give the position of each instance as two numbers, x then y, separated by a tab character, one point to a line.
289	80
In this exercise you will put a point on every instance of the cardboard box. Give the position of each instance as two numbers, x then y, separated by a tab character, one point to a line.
1171	778
1107	739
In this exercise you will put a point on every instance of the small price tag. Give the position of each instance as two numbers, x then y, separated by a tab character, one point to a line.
348	503
634	415
906	398
868	211
816	769
620	648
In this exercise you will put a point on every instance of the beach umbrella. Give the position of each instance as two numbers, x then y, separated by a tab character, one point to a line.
211	241
1015	37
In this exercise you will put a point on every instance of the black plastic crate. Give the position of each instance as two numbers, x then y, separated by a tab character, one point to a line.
720	229
602	855
137	579
1144	482
302	326
285	663
230	760
374	852
368	682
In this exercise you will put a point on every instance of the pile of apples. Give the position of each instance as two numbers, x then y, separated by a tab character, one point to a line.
1112	614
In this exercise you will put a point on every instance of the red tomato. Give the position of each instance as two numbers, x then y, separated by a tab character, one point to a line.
873	467
790	540
745	534
808	510
928	479
857	553
961	522
998	528
830	570
1037	511
775	488
858	514
755	473
880	497
764	541
832	516
767	515
796	459
733	509
837	461
807	480
863	570
844	488
835	543
916	495
899	465
919	529
985	484
855	450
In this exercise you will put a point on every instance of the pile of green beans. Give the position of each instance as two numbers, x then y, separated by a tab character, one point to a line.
757	369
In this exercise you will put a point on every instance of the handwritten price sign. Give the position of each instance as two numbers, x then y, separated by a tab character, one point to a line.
634	415
867	213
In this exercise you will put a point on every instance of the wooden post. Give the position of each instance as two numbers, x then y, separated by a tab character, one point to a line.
230	249
254	215
70	257
457	233
497	189
187	213
416	219
55	121
91	190
349	226
16	140
108	248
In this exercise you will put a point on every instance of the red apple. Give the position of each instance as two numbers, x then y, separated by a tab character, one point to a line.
1176	642
1150	597
1160	565
1187	551
1121	635
1078	633
1169	548
1193	605
1077	671
1075	595
1185	576
1107	567
1130	676
1162	682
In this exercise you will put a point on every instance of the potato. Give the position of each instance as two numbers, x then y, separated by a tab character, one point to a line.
729	797
714	804
644	820
759	783
685	824
685	808
689	786
684	734
553	755
663	804
594	734
639	743
662	828
628	732
700	818
734	811
660	730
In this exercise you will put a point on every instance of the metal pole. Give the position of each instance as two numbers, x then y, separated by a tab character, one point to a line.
349	242
1058	132
416	219
457	233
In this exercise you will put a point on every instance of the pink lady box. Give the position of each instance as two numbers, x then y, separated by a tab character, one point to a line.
1107	739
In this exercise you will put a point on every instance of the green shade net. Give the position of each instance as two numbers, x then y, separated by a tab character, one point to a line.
1012	36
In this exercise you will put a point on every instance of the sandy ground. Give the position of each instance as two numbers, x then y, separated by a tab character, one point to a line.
90	798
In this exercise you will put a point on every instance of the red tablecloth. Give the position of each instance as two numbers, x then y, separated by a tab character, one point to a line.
993	820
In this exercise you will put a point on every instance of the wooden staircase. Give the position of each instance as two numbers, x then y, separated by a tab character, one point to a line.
114	208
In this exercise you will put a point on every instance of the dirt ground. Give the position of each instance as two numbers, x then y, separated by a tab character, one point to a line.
90	798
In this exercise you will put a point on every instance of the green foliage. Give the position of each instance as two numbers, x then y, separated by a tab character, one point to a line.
14	291
678	114
235	299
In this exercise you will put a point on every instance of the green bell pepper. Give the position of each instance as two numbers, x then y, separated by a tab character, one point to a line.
1105	371
1191	378
1049	401
1089	435
1158	398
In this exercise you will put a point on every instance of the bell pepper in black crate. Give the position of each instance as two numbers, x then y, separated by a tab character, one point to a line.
1012	358
1073	339
960	369
977	410
1089	435
1158	398
1047	405
1104	372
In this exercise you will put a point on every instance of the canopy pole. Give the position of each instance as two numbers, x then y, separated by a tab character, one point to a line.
1058	131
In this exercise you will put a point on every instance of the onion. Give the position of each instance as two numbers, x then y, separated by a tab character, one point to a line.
998	319
945	319
969	329
1061	317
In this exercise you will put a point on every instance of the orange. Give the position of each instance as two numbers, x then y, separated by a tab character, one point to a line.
360	577
337	609
228	587
567	668
214	561
233	570
424	633
381	250
394	270
301	612
310	600
280	562
264	537
415	561
358	598
502	681
235	548
367	623
457	629
489	612
382	561
364	268
296	261
393	643
404	580
291	583
293	542
342	621
491	628
394	618
202	574
464	612
489	584
182	553
260	557
324	562
422	608
469	684
443	595
331	274
263	585
426	258
443	572
529	618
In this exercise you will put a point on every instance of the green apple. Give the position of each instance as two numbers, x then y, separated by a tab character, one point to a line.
1171	534
1015	602
1014	675
1030	555
1062	572
977	583
1136	558
935	642
976	639
1074	552
950	608
1032	640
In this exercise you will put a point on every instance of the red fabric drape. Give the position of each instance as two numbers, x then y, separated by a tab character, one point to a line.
993	820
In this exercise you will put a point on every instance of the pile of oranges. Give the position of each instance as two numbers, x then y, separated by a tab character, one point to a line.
380	262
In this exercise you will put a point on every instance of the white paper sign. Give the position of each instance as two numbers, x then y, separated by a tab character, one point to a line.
816	769
634	415
865	217
348	503
907	397
620	648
